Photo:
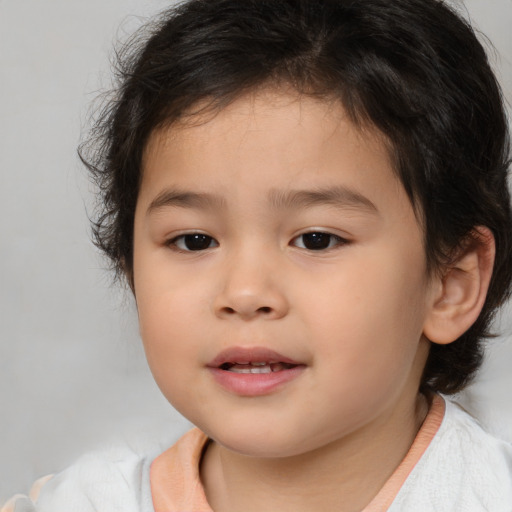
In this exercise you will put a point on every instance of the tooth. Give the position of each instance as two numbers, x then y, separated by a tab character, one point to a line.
240	370
276	367
261	369
255	363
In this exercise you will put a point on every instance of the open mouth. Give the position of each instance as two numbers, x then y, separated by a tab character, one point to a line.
256	367
254	371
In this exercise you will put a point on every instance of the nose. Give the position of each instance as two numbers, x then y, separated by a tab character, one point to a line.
250	288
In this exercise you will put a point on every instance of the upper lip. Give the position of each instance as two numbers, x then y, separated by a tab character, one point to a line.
246	355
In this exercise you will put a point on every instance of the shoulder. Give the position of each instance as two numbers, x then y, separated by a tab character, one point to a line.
113	480
487	457
464	468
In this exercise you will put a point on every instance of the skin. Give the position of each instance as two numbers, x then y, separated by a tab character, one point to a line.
353	313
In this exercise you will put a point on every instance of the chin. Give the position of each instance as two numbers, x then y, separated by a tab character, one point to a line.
264	442
266	449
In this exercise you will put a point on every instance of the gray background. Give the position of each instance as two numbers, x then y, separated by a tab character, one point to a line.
72	372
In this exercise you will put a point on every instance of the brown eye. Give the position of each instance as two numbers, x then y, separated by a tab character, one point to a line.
194	242
318	241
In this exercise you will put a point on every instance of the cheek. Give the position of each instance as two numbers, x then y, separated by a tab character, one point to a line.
166	321
365	297
167	297
170	338
370	319
167	309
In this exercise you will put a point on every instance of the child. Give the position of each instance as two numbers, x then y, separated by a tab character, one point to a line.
309	202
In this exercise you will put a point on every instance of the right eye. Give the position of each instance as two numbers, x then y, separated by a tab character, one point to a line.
318	241
193	242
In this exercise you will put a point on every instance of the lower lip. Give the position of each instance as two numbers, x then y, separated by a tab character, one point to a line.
255	384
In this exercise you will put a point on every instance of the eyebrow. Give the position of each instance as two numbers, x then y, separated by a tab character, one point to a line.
185	199
339	197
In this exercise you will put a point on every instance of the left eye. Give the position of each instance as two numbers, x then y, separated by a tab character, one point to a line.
193	242
317	241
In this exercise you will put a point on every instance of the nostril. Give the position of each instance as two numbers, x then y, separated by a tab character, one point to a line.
265	309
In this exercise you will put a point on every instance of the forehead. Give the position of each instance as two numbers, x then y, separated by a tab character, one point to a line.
269	142
264	108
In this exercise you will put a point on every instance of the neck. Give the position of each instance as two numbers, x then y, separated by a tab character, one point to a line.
344	475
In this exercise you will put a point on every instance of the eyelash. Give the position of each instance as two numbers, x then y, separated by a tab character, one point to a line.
334	241
182	239
179	243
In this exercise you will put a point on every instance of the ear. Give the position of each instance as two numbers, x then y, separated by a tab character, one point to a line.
459	292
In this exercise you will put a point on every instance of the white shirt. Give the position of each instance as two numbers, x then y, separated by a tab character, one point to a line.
463	469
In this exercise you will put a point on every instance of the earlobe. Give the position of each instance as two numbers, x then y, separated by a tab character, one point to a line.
462	289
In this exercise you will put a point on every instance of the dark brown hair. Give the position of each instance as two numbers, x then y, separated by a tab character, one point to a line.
413	69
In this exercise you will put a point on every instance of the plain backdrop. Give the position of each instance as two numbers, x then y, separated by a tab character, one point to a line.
72	372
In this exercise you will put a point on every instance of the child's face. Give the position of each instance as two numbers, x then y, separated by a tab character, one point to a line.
277	232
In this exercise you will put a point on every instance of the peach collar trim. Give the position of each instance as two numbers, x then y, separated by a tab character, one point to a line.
428	430
176	486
